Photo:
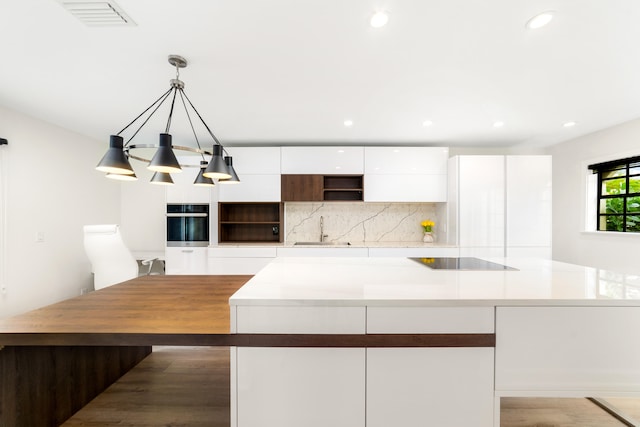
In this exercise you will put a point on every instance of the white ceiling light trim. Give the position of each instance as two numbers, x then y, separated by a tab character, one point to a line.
97	13
427	123
348	123
569	124
498	124
379	19
540	20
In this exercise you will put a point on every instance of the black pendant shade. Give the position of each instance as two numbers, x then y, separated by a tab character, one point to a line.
202	180
165	160
217	167
234	176
161	178
114	160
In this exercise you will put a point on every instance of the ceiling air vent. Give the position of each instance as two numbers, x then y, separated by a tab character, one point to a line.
97	13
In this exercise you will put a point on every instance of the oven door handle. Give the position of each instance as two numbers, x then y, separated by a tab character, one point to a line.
187	215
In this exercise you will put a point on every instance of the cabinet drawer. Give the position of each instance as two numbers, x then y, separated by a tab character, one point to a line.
300	320
251	252
430	320
222	266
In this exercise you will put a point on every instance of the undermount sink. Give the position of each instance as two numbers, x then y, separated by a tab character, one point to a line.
322	244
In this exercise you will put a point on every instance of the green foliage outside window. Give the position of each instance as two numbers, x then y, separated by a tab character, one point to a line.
615	208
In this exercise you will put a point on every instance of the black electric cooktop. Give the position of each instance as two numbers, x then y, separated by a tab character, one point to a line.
463	263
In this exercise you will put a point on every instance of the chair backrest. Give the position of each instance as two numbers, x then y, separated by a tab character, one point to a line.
111	260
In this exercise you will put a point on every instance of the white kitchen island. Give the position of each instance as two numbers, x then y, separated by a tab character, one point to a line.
430	347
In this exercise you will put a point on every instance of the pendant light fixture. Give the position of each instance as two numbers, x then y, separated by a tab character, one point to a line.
234	177
115	162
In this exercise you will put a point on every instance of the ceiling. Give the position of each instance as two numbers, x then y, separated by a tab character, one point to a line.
292	71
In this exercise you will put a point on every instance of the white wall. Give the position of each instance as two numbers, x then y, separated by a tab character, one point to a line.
53	188
615	251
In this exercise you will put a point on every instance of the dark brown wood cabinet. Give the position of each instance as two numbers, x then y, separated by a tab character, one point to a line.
320	188
249	222
301	188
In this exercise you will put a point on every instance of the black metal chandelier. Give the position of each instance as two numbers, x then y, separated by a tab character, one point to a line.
214	164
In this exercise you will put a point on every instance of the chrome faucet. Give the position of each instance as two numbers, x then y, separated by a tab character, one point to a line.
322	235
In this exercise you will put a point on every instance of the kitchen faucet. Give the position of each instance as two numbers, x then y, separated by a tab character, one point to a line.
322	235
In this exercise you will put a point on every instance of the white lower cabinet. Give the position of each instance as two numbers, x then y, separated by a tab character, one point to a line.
293	387
444	387
183	260
567	351
239	260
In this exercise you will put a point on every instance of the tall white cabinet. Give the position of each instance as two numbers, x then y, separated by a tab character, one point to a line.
500	205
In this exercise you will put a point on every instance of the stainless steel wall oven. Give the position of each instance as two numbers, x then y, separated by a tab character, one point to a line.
187	225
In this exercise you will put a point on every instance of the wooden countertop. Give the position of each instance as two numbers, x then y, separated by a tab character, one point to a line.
149	310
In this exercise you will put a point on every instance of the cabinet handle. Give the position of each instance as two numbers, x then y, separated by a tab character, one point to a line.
188	251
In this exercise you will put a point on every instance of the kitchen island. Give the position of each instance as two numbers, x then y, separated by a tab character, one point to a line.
428	347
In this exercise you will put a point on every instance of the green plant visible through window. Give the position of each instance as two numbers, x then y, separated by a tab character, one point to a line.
618	195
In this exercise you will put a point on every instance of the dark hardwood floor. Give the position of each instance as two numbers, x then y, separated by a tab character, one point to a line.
189	386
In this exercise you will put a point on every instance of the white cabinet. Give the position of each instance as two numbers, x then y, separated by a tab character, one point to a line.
500	205
406	160
292	387
240	260
314	251
405	188
567	351
528	205
322	160
182	260
183	190
252	188
405	174
259	171
444	387
430	386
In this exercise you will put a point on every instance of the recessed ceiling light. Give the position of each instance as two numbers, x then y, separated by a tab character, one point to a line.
569	124
340	151
348	123
540	20
379	19
427	123
498	124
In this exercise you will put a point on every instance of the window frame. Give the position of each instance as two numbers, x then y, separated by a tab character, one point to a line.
601	169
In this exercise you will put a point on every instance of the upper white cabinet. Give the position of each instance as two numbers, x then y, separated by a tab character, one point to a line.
183	190
259	171
255	160
322	160
406	160
405	174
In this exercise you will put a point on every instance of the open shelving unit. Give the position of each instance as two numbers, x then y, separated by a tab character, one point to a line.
249	222
343	187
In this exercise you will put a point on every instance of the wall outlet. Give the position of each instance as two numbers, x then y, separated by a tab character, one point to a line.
40	237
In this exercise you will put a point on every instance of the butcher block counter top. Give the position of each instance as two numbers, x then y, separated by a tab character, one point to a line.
149	310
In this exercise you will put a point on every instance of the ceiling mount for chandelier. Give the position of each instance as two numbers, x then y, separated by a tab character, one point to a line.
214	165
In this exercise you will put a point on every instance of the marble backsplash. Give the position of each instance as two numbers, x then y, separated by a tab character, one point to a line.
357	222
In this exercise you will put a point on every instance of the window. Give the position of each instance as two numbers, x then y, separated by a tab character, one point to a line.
618	207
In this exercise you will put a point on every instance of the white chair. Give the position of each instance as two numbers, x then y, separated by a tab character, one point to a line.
111	260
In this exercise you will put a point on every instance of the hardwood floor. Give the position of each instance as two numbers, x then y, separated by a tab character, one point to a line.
174	386
189	386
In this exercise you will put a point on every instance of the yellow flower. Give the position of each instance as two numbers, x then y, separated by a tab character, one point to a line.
427	225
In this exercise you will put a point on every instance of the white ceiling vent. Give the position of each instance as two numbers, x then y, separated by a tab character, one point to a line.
97	13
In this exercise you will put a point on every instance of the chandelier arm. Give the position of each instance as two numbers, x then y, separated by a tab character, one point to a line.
173	101
147	109
186	110
166	95
203	122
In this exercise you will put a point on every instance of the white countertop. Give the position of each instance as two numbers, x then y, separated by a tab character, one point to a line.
404	282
